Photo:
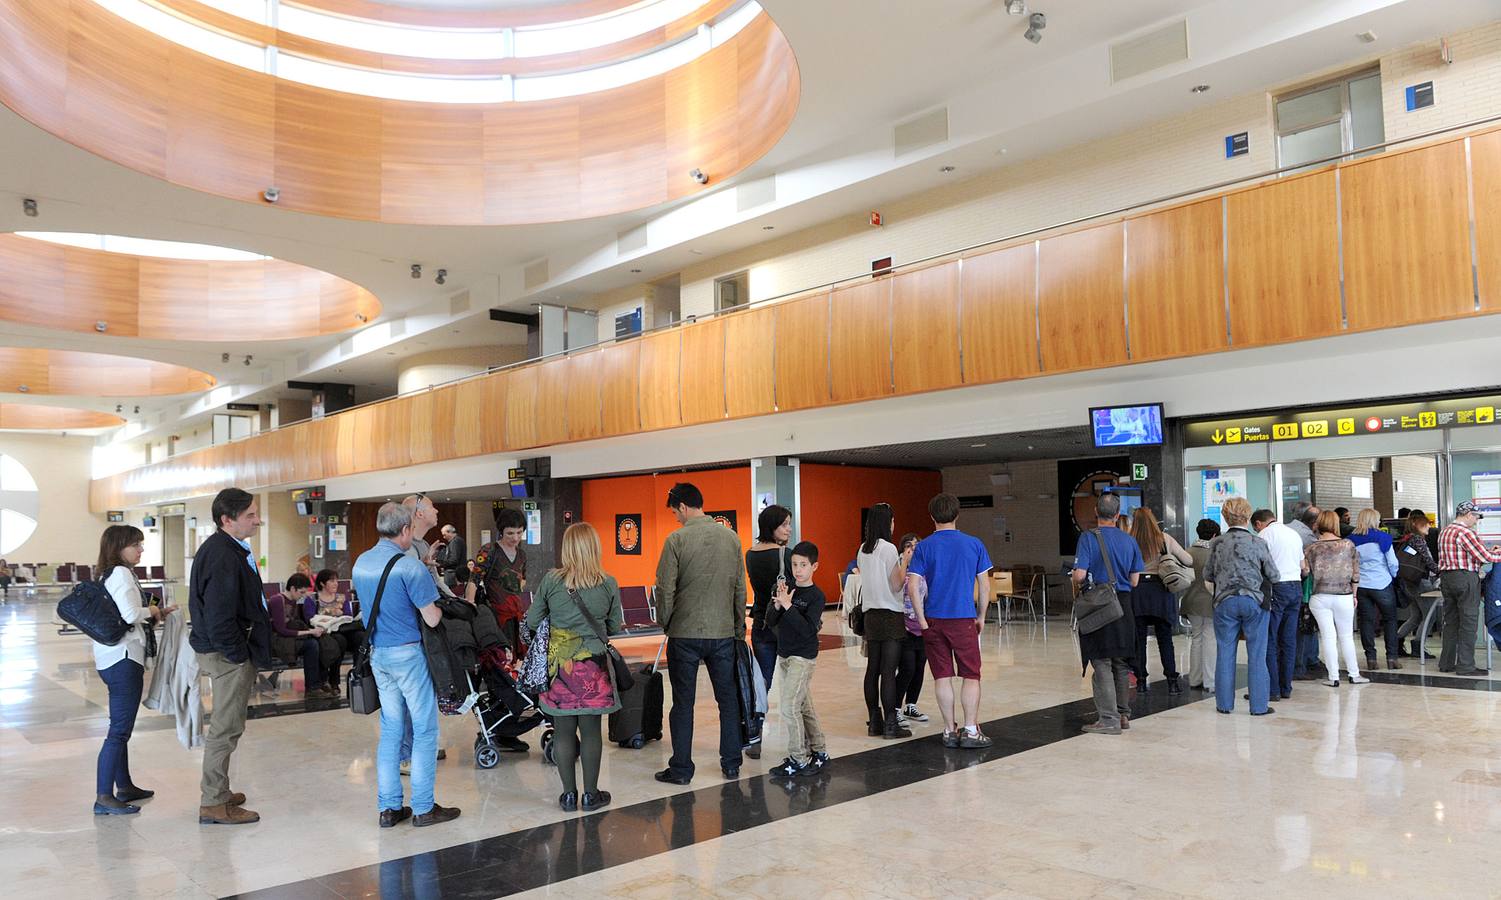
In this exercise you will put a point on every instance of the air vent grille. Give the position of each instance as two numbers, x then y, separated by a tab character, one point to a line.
1146	52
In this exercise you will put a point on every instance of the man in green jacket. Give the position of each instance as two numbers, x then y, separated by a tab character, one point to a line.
701	605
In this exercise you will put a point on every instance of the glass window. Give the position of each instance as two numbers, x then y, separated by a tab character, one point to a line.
114	243
1330	119
732	291
1312	108
1367	128
1320	142
19	503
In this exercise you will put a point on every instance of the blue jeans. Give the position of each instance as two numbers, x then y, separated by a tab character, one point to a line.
1307	656
124	680
1373	603
764	646
1232	616
406	700
1282	636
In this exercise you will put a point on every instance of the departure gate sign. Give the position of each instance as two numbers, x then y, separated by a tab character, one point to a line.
1366	420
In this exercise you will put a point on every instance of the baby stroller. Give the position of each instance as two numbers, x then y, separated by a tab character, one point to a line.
501	708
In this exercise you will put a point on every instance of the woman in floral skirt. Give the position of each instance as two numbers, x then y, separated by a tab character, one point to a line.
579	693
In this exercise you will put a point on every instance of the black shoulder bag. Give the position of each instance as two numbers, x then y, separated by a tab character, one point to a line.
364	696
1098	605
619	668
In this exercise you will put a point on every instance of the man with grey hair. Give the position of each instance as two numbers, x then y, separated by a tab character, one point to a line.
1107	555
453	559
399	590
424	517
1306	655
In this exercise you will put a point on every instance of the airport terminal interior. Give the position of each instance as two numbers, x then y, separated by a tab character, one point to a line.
671	291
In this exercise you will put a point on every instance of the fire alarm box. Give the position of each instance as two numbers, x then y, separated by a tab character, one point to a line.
875	219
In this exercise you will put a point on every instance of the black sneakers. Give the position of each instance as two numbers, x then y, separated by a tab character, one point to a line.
436	816
390	818
791	768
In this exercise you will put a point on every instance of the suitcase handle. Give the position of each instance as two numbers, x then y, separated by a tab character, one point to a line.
656	664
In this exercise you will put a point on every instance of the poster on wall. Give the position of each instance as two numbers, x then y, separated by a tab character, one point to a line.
725	517
534	526
1219	485
1485	490
338	537
628	534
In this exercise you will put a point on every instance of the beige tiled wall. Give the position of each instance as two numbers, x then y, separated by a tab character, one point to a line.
1031	532
1467	89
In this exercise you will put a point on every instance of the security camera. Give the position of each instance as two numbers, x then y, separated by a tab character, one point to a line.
442	276
28	206
248	359
271	194
699	176
1038	22
416	270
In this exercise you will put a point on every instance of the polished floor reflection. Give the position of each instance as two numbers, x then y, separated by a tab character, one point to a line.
1389	787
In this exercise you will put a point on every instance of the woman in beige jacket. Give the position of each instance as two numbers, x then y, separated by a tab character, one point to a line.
1197	606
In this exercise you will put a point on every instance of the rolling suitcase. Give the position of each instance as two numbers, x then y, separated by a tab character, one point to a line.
639	718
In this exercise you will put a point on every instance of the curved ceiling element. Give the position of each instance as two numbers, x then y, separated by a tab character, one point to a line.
34	370
54	418
138	99
56	285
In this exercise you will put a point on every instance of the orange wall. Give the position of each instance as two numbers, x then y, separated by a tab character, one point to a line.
832	497
647	496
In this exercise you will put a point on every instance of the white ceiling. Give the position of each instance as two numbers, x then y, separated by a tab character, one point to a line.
864	65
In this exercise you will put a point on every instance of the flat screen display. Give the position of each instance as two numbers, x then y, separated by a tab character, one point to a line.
518	489
302	507
1126	426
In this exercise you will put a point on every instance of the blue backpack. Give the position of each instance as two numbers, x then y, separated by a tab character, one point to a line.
1491	592
92	610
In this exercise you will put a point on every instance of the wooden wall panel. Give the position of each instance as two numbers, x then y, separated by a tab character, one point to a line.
51	418
29	272
471	417
432	163
1485	168
1284	261
220	126
619	388
998	315
100	288
749	380
521	186
552	401
521	408
492	413
703	372
860	341
34	65
1407	237
661	356
623	147
1081	308
420	429
802	352
1175	281
582	383
116	99
925	329
46	371
328	154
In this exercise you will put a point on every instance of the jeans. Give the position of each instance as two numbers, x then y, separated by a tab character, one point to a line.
764	647
1111	689
909	670
1336	616
231	683
1461	620
1417	609
1282	636
1233	615
1201	647
683	658
1373	601
406	696
804	737
125	680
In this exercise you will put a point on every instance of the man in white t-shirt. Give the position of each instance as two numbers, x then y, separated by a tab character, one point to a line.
1286	547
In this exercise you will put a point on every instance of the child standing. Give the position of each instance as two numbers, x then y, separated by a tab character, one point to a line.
795	616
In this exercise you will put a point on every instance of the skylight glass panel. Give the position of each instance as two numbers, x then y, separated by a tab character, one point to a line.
397	40
391	85
586	34
187	34
113	243
602	78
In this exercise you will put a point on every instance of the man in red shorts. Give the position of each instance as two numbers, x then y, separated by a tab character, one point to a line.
955	565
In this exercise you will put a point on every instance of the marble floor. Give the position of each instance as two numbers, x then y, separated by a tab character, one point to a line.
1392	787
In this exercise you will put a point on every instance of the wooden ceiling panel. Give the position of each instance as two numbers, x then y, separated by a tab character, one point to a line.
328	152
54	418
61	372
116	99
220	127
97	287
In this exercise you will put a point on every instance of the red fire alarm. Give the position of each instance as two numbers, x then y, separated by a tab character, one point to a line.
875	219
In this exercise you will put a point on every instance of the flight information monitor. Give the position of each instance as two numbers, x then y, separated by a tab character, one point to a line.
1126	426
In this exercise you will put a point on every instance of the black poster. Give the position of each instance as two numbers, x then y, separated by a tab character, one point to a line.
1079	482
725	517
628	534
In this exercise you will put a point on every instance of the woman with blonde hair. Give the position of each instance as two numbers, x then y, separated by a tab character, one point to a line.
1334	565
582	605
1155	606
1377	595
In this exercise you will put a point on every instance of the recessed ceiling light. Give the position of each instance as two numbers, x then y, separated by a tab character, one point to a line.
1001	152
1199	88
1029	446
1367	37
635	271
696	252
768	228
946	169
979	445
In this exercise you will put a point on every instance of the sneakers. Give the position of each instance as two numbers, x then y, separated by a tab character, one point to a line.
390	818
1359	679
436	816
820	758
791	768
225	814
951	740
976	741
913	714
1101	728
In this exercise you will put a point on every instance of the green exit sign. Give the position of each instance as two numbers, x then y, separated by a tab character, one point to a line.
1138	471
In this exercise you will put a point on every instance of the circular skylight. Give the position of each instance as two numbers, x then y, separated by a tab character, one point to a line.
114	243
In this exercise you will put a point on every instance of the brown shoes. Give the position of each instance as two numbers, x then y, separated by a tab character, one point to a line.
435	816
235	799
226	814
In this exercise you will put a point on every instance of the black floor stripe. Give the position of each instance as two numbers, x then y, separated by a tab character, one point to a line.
508	864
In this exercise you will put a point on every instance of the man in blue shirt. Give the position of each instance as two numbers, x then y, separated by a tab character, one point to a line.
400	666
954	565
1110	649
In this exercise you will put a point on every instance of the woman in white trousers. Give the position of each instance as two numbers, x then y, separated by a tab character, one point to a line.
1334	564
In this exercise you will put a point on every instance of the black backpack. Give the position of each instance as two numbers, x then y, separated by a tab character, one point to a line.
1410	567
92	610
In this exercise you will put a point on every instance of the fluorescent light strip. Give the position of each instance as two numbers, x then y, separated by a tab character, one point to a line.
188	34
113	243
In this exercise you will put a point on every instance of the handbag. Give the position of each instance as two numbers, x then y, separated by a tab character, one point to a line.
90	608
619	668
1176	577
364	696
1098	605
854	603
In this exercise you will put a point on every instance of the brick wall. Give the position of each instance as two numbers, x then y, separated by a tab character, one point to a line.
1419	478
1331	483
1468	89
1030	536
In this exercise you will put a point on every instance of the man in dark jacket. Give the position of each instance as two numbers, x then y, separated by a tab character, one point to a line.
231	633
453	559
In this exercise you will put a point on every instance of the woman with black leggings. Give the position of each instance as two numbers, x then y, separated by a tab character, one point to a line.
914	657
882	574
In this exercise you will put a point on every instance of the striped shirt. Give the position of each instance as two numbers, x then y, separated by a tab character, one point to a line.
1460	548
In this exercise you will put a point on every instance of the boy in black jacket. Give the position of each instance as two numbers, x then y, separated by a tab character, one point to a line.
795	617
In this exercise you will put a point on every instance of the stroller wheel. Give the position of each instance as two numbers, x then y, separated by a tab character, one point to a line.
637	742
486	756
547	756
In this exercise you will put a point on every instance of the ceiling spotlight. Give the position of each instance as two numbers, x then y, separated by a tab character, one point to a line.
699	176
248	358
1037	23
25	389
271	194
1198	89
945	169
28	206
101	326
224	358
119	407
416	270
1367	37
768	228
635	271
362	317
1016	7
442	277
137	411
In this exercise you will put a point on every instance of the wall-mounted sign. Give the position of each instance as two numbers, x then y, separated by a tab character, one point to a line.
1422	415
1237	145
1138	471
115	515
628	534
1419	96
977	501
1219	485
725	517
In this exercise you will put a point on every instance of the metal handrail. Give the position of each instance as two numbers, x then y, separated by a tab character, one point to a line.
829	285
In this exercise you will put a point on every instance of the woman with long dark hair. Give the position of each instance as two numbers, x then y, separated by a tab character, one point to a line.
882	575
1155	606
122	668
766	564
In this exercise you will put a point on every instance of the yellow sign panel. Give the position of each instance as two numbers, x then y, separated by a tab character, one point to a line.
1346	426
1316	429
1485	415
1284	431
1427	419
1232	435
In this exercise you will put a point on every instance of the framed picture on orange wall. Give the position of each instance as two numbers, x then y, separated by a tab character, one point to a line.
628	534
725	517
